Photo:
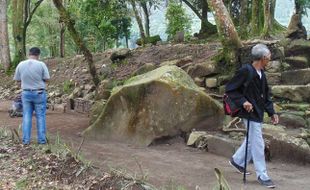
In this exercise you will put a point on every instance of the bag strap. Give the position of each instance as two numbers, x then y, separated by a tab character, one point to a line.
249	77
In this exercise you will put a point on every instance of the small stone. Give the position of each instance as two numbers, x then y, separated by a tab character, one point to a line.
84	71
211	82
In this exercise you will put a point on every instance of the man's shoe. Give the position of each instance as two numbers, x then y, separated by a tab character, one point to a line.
240	169
268	183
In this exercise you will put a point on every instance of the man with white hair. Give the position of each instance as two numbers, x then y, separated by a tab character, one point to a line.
253	99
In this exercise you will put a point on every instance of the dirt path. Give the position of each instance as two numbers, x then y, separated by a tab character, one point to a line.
164	165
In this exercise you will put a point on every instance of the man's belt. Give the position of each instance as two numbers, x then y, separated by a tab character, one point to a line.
40	89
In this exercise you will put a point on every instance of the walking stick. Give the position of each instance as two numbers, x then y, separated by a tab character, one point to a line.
246	150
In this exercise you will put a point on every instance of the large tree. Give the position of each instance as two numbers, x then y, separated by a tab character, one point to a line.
4	36
65	17
146	17
17	26
267	19
23	13
226	30
139	20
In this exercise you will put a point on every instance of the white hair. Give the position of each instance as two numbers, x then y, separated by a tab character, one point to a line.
259	51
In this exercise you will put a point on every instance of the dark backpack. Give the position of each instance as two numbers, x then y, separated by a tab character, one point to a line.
230	108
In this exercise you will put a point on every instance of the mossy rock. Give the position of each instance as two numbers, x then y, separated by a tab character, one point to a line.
297	62
297	48
297	77
149	40
292	120
295	93
297	107
160	103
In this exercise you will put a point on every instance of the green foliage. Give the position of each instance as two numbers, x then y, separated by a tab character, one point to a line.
102	23
67	87
22	183
302	6
177	20
44	30
149	40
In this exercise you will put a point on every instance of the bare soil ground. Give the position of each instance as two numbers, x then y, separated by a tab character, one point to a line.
170	165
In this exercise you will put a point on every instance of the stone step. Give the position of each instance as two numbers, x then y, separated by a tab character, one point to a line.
294	93
274	78
298	47
296	106
293	120
297	62
296	77
279	145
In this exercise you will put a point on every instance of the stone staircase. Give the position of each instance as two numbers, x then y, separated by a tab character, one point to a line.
290	85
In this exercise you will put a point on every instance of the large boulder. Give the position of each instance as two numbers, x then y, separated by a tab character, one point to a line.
161	103
295	93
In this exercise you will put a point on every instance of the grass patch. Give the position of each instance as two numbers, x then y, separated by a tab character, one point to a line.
67	87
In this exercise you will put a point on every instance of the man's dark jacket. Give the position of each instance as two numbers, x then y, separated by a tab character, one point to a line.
257	93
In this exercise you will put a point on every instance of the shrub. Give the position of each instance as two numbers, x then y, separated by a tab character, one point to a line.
178	21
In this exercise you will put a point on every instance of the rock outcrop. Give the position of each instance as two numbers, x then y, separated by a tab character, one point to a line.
157	104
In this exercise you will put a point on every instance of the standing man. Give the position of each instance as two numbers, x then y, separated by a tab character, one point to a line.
254	100
33	74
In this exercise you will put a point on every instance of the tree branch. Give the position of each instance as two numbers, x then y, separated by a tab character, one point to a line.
193	8
29	18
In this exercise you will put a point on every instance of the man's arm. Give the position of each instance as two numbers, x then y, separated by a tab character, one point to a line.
46	75
17	77
19	83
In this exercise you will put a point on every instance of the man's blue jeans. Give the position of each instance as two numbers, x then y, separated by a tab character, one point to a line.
256	148
34	101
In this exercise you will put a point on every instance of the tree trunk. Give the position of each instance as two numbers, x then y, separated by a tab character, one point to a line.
206	27
243	18
62	35
77	39
147	18
225	26
127	45
226	30
28	14
62	40
17	26
255	17
139	20
4	36
21	19
267	19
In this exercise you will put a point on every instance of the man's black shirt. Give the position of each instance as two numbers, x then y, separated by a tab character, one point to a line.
257	93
